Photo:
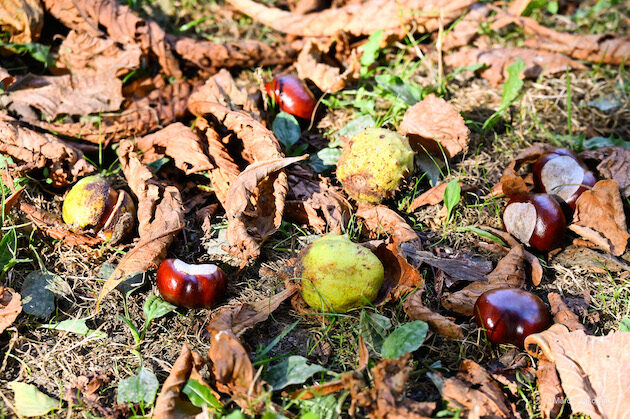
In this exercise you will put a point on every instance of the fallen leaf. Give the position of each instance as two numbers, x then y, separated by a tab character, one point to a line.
329	74
379	220
12	200
10	307
439	324
591	260
475	392
6	79
64	161
23	20
511	182
549	389
599	217
178	142
467	28
536	62
255	204
85	389
435	125
563	314
160	217
314	201
400	276
614	163
433	196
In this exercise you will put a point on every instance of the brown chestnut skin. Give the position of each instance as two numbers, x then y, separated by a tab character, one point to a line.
536	219
191	286
509	315
562	173
292	96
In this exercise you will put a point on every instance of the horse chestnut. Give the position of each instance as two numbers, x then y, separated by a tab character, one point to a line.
292	96
191	286
560	172
509	315
537	220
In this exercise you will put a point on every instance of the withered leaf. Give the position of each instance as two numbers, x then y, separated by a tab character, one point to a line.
328	74
536	62
441	325
614	163
433	196
563	314
400	276
379	220
22	19
511	182
10	307
434	124
255	204
360	19
64	161
599	217
160	217
85	389
549	388
475	392
178	142
222	89
467	28
313	200
591	260
5	79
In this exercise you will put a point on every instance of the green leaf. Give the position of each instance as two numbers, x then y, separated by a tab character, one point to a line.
329	156
374	329
292	370
597	142
354	126
483	233
141	388
406	91
39	52
8	247
30	402
511	90
406	338
201	395
155	166
77	326
236	414
429	165
37	299
624	325
370	50
287	128
452	195
155	307
134	330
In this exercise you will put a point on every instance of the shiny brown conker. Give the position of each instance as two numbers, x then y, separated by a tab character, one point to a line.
536	219
560	172
292	95
188	285
509	315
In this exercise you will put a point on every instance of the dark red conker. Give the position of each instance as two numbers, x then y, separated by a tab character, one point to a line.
560	172
537	220
509	315
191	286
292	96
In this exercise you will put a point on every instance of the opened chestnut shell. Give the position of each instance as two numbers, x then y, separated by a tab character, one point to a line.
191	286
292	96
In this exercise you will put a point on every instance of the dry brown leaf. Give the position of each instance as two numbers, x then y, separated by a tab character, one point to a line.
435	125
563	314
511	182
6	79
10	307
433	196
400	277
68	94
314	201
329	74
361	19
599	217
12	200
591	260
614	163
593	369
255	204
379	220
222	89
64	161
82	53
22	19
467	28
475	392
160	217
549	389
441	325
178	142
85	390
536	62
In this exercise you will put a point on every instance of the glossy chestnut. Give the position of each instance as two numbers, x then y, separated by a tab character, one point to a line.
562	173
509	315
292	96
188	285
537	220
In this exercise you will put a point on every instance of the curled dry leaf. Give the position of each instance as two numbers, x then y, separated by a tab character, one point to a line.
536	62
379	220
563	314
86	390
592	369
64	161
6	79
329	74
10	307
475	392
178	142
222	89
549	389
599	217
160	217
511	182
255	204
360	19
433	196
435	125
400	277
467	28
439	324
591	260
22	19
314	201
614	163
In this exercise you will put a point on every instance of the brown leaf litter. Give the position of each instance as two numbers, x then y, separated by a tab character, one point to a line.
599	217
10	307
467	28
160	217
442	325
400	277
592	369
511	182
22	19
436	126
379	220
329	73
562	314
613	163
